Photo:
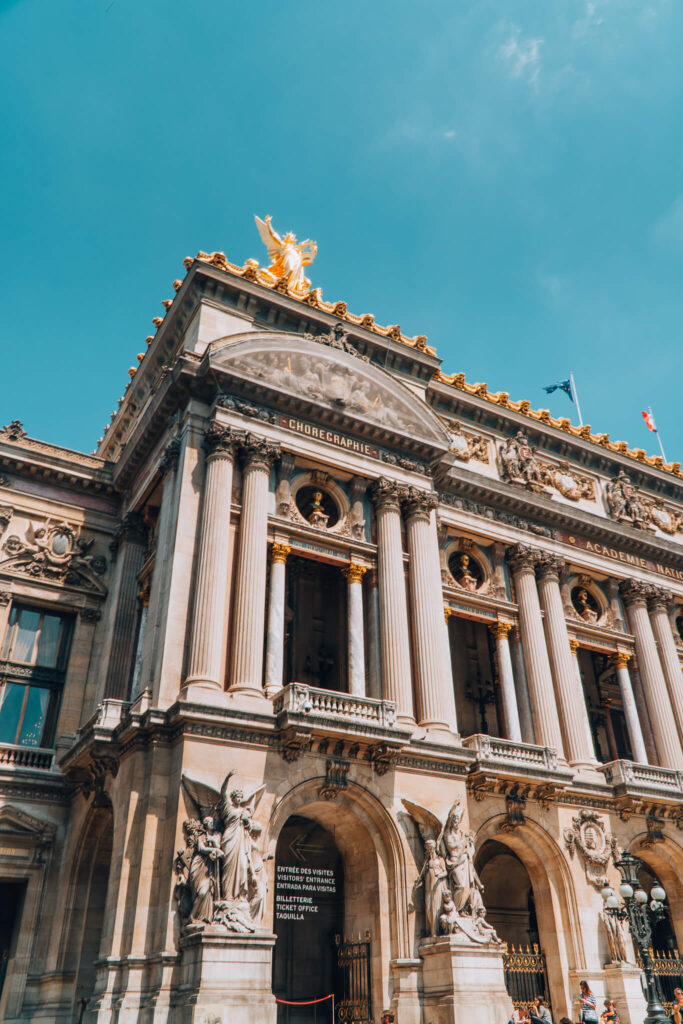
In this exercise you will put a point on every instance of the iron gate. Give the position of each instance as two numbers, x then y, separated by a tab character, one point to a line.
353	960
667	968
525	974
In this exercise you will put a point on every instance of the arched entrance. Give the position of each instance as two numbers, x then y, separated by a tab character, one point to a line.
309	914
511	909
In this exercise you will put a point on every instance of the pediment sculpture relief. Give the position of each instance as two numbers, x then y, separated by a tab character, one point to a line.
589	836
521	466
467	446
55	550
452	887
220	873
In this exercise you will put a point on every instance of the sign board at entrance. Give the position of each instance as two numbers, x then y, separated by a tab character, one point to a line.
297	890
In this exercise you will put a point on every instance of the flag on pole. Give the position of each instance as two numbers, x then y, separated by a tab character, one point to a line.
649	421
561	385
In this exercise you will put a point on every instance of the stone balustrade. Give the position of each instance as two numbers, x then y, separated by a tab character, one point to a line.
643	780
25	757
329	704
493	749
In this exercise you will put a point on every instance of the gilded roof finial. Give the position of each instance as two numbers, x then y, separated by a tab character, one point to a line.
288	256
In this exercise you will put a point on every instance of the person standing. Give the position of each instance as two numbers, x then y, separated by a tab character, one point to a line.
588	1003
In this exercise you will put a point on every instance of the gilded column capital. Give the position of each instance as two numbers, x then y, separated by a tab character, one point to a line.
418	504
549	567
574	646
447	612
659	597
621	659
220	441
521	558
279	552
500	630
386	494
168	463
259	452
635	592
353	573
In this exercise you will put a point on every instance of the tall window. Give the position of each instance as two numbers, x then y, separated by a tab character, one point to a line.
34	658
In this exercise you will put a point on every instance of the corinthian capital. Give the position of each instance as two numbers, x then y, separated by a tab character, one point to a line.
659	597
418	504
168	462
635	591
549	567
259	452
521	558
386	494
221	441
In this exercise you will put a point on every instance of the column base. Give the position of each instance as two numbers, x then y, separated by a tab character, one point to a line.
587	771
249	698
439	732
623	985
203	691
463	981
225	979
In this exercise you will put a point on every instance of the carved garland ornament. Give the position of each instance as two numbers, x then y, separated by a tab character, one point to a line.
467	446
627	504
520	466
589	837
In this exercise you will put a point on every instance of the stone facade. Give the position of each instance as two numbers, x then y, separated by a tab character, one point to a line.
308	578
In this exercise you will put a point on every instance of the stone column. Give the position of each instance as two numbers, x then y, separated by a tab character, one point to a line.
521	687
374	674
434	683
210	611
250	591
570	696
659	604
635	594
643	713
620	661
393	609
353	574
128	550
143	598
513	729
521	560
275	639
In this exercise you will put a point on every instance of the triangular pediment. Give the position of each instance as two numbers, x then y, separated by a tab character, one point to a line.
18	824
320	376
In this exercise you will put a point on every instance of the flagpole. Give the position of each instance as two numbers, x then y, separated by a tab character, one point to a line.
659	440
576	398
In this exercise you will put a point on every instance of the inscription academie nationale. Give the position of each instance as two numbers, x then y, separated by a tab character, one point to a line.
622	556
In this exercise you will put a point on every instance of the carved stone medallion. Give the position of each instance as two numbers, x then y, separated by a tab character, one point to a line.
589	836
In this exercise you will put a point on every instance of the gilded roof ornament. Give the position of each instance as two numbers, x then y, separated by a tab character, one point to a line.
289	258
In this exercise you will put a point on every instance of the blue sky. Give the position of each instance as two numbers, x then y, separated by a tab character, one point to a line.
505	178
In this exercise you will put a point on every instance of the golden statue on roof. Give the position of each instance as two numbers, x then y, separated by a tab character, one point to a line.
289	258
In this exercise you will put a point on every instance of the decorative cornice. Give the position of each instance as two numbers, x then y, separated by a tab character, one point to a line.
386	494
521	558
418	504
259	452
634	592
279	552
353	573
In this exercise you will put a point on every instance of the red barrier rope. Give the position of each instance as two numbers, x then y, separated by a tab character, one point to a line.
305	1002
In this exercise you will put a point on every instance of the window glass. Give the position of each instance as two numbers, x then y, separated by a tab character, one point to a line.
34	717
11	701
48	645
24	635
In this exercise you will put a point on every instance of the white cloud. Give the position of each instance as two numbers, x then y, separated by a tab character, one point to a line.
522	56
669	229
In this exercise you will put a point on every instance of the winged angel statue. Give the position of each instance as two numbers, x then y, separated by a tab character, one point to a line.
289	257
220	875
452	887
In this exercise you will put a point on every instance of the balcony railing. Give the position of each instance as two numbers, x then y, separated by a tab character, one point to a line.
25	757
643	777
298	698
504	752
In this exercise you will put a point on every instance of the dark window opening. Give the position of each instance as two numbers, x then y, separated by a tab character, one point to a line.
605	708
11	905
475	678
315	624
317	506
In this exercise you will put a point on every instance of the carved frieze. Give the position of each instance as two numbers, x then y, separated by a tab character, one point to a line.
466	446
6	513
520	466
589	836
54	550
625	504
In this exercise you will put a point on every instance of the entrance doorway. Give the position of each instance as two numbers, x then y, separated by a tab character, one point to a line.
11	903
511	909
316	624
309	914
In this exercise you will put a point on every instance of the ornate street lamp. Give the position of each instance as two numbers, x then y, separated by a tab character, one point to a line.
634	909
